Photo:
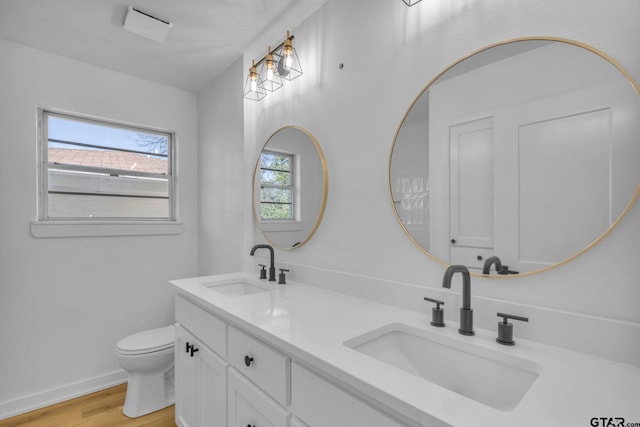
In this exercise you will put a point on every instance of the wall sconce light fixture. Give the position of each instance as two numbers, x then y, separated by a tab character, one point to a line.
253	86
271	80
411	2
279	63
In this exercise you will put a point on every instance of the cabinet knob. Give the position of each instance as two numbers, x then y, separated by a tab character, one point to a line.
248	360
194	350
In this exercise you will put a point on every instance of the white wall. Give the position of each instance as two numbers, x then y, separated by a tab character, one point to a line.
221	174
390	52
65	302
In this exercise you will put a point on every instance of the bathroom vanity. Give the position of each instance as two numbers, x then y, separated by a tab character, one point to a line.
252	353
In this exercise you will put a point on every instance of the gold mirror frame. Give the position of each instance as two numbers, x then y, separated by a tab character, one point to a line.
601	237
325	187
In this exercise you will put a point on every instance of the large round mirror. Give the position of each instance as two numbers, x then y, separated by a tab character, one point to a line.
290	187
526	150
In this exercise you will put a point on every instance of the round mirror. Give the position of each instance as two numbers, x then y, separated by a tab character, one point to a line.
526	150
290	187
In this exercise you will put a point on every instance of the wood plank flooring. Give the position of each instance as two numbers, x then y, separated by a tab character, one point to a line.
100	409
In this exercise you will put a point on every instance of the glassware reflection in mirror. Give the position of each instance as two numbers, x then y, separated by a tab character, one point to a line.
289	187
412	204
526	150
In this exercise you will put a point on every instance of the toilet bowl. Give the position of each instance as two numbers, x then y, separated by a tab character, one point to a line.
148	357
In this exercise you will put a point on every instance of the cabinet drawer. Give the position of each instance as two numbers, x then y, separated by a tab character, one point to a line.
248	406
208	328
267	368
319	403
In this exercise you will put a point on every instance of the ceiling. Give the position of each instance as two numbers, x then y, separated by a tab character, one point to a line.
207	35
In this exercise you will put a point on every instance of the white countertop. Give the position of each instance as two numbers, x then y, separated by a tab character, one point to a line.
311	324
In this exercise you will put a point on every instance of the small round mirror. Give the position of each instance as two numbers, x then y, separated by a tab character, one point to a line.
290	187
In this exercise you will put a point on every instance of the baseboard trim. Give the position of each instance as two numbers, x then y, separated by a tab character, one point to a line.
39	400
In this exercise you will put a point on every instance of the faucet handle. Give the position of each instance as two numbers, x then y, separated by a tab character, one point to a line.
282	279
505	329
263	271
505	270
437	314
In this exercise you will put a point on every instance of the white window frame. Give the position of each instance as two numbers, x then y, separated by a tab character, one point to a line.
292	187
46	226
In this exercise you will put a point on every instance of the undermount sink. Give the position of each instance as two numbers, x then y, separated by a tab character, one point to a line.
236	288
490	377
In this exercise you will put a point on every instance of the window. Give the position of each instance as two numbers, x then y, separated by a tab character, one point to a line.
97	170
276	186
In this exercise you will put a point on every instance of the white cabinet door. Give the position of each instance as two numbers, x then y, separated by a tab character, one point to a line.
200	383
250	407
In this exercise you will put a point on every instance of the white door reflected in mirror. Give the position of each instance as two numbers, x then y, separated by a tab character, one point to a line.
525	150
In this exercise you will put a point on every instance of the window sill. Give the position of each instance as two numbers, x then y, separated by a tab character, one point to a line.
281	225
45	229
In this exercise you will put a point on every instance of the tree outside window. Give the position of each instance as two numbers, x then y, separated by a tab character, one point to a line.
276	186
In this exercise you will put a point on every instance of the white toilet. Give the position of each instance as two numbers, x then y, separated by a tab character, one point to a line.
148	356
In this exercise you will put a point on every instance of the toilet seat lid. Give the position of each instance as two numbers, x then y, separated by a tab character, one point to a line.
148	341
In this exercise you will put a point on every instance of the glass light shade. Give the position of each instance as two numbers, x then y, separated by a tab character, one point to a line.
411	2
253	88
287	63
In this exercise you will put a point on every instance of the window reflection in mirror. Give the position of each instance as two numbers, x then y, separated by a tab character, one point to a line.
290	187
277	187
526	150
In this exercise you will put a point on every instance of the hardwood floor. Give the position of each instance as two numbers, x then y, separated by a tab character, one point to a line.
100	409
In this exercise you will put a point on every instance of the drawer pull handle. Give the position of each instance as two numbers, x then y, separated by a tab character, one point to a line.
247	361
188	347
249	425
194	350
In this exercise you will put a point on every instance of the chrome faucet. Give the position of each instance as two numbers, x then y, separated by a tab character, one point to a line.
486	269
272	267
466	313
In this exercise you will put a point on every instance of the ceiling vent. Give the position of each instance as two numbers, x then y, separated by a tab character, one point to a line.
145	25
